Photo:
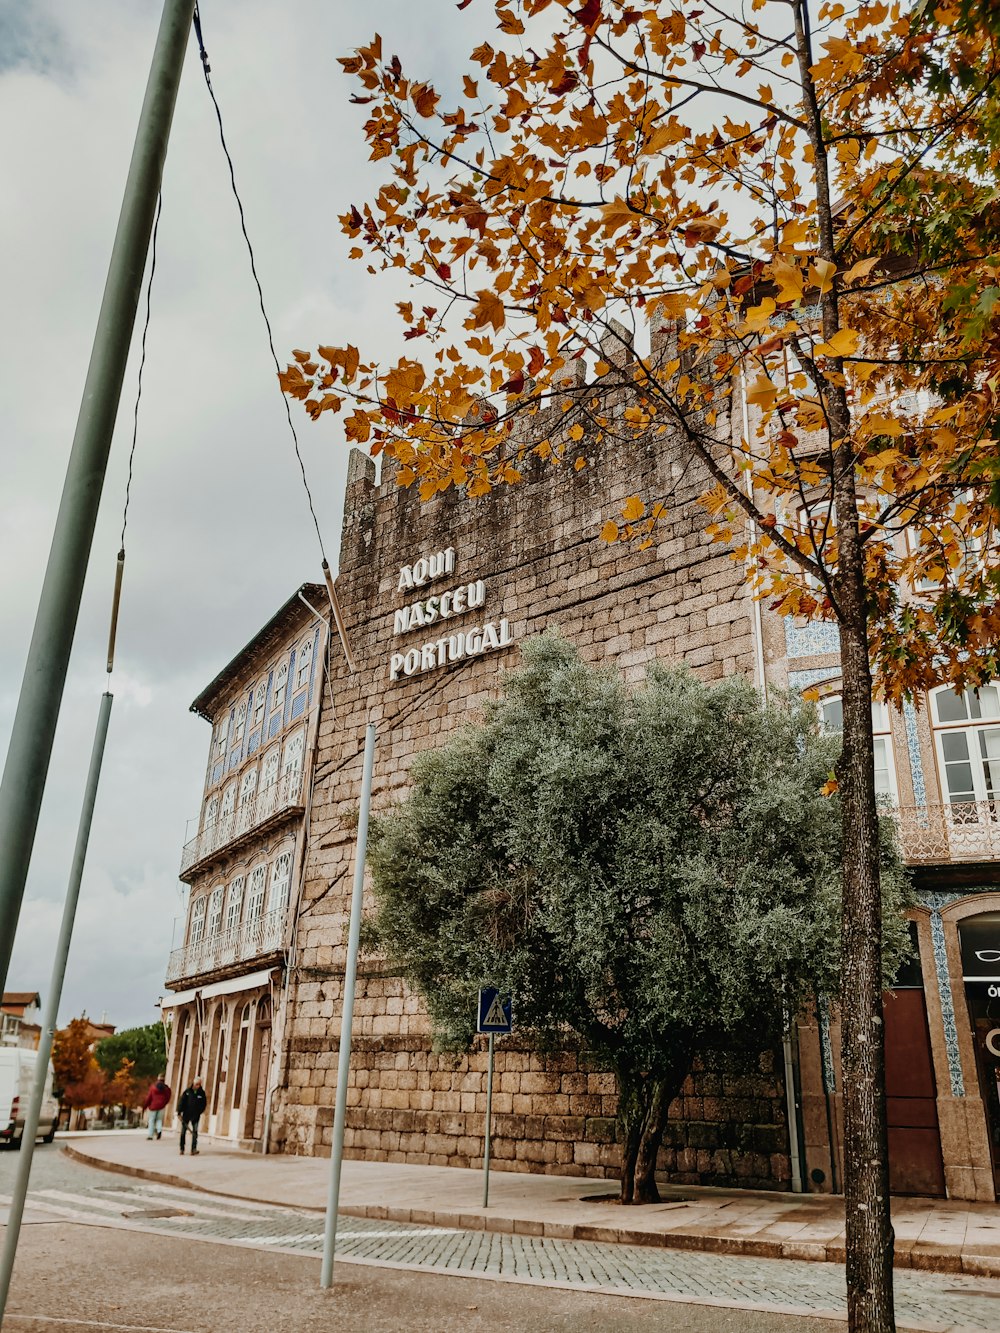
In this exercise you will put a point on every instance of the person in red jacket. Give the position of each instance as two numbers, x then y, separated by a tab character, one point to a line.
156	1102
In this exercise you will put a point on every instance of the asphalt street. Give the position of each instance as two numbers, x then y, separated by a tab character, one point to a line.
107	1251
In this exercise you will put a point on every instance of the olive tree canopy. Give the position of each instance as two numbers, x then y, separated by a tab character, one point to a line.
656	871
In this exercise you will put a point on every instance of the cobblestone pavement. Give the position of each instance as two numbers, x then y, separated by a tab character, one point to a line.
926	1301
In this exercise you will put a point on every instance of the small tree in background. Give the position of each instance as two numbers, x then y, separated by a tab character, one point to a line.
77	1078
125	1089
143	1047
656	872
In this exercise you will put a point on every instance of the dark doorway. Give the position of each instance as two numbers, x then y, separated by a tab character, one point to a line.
915	1162
980	937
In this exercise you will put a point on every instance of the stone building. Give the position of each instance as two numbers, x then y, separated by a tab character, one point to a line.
437	597
243	868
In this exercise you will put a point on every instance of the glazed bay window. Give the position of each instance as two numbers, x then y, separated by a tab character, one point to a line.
280	685
198	908
967	733
215	911
234	904
303	664
259	696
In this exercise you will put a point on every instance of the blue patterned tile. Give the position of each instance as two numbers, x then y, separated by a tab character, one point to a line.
826	1046
801	680
935	901
298	705
913	749
816	636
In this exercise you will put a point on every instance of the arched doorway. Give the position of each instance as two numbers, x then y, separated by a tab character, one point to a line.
241	1070
979	937
262	1066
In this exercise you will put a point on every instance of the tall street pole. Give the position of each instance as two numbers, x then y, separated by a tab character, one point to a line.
347	1016
58	608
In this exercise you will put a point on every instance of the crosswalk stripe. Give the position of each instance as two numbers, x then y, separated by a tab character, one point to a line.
154	1199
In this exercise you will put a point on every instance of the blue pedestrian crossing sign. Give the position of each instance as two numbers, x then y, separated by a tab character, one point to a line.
495	1011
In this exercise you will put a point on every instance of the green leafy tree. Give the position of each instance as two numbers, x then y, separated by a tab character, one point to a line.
656	872
144	1047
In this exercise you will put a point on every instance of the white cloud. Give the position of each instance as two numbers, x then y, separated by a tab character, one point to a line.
217	537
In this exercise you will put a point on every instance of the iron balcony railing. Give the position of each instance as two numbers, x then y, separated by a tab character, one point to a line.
268	803
939	834
264	934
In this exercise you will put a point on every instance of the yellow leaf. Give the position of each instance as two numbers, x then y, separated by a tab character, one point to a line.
576	432
762	393
822	273
861	269
633	509
579	463
843	343
789	280
609	533
488	310
758	316
358	427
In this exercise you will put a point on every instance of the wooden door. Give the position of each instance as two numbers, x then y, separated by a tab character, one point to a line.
915	1163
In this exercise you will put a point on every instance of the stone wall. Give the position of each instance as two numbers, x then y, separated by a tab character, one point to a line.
536	547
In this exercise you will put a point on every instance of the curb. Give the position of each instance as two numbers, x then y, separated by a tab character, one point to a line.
908	1254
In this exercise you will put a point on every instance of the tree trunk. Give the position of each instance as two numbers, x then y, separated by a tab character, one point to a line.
869	1233
643	1103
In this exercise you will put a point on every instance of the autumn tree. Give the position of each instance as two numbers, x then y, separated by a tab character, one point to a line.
655	872
125	1089
801	196
78	1079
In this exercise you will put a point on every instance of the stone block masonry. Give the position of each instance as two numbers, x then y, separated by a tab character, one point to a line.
531	556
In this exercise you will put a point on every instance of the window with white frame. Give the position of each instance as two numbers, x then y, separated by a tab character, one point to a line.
281	877
198	908
269	769
280	684
234	903
259	696
241	723
211	813
967	734
255	895
221	732
831	713
215	910
248	785
228	803
292	765
303	664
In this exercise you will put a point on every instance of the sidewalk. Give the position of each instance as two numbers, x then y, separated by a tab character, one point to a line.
936	1234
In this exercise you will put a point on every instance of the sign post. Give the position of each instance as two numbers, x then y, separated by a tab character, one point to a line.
495	1015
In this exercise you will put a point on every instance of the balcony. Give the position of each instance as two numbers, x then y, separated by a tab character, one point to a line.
228	949
263	810
949	834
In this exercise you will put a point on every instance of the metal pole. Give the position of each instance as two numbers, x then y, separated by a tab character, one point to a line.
489	1126
51	1010
347	1016
59	604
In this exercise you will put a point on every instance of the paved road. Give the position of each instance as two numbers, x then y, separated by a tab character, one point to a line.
65	1191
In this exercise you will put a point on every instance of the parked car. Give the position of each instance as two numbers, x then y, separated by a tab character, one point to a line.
17	1073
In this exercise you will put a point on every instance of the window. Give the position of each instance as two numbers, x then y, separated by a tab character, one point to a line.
969	751
259	697
817	538
198	919
255	899
280	682
221	731
228	803
248	785
831	714
269	769
292	766
280	880
241	723
211	813
215	911
304	664
234	903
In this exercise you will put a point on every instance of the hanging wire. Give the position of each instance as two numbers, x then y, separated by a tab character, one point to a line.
207	68
120	563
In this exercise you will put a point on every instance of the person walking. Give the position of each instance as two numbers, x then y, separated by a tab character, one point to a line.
190	1107
156	1102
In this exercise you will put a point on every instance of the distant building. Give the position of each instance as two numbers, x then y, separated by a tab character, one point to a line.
437	595
244	868
19	1015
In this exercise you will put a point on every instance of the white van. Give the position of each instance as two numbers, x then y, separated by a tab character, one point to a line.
17	1073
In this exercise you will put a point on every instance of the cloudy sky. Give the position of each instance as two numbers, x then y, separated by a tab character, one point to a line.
218	532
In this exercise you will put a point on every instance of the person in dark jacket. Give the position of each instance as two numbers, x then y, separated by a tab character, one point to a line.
190	1107
156	1101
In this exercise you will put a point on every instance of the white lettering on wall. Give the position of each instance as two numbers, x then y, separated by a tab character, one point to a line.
440	606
